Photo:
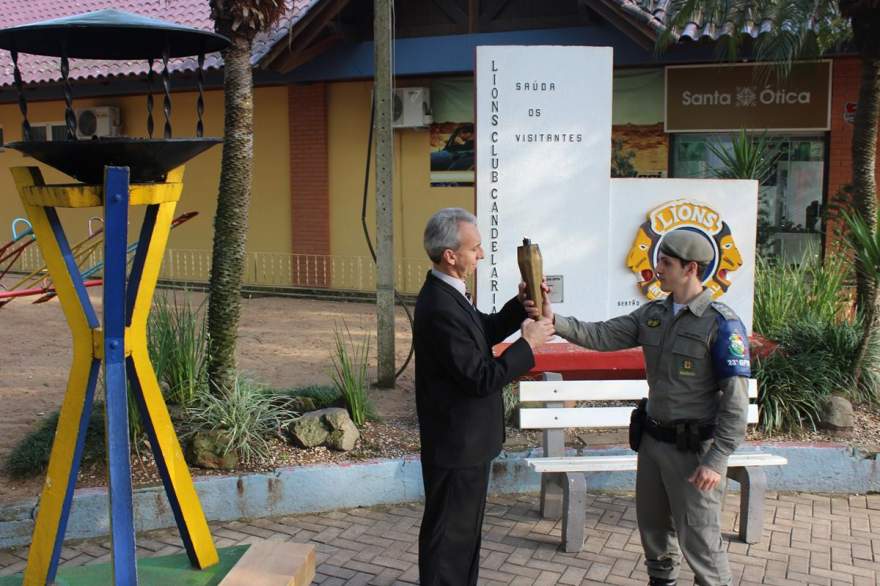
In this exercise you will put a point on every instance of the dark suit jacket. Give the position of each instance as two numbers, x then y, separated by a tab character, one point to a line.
458	381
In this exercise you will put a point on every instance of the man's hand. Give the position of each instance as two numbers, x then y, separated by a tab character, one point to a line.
537	333
704	478
529	305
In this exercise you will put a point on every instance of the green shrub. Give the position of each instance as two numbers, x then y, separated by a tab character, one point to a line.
247	413
30	457
350	361
809	290
322	395
803	308
178	343
813	360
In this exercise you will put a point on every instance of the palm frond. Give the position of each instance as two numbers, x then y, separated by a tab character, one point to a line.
777	31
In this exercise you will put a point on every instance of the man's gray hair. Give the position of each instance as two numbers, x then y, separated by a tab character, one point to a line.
442	231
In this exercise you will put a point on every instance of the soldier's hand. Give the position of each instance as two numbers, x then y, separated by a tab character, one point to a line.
537	333
704	478
547	309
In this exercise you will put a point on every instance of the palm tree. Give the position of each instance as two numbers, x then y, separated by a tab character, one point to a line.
866	254
240	21
806	29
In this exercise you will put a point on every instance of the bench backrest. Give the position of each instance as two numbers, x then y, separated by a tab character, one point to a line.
554	393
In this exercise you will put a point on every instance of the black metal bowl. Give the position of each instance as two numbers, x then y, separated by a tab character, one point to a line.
148	160
110	34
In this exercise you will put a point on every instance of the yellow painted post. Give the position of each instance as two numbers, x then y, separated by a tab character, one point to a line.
156	412
59	476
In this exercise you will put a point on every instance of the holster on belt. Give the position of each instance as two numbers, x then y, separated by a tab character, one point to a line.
637	425
687	435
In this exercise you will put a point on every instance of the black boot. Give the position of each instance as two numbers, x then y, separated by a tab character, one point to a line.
660	581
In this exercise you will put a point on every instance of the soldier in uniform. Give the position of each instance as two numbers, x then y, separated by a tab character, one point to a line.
697	363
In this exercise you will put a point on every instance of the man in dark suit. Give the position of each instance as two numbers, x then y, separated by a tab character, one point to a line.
458	396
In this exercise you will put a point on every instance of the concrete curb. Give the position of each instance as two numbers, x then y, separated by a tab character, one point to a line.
819	467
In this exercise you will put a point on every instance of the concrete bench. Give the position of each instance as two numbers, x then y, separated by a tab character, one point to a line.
563	478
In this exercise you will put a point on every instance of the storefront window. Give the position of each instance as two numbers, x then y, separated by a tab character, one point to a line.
790	198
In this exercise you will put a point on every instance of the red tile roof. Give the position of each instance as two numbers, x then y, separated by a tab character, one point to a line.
194	13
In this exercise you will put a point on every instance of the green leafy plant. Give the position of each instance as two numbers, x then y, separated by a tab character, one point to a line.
350	361
321	395
865	245
247	415
810	290
813	360
30	456
178	344
803	307
749	157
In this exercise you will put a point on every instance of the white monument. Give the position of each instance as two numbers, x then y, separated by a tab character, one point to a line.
543	172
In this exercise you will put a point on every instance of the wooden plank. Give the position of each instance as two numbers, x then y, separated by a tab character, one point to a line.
274	563
628	462
594	390
599	417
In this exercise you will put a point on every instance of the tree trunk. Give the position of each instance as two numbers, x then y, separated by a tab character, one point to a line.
864	182
864	157
231	219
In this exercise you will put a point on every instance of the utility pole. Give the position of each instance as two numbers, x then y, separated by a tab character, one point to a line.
384	193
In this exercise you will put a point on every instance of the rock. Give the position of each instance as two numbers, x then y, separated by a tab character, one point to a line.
303	404
309	430
837	415
336	417
345	435
331	427
207	451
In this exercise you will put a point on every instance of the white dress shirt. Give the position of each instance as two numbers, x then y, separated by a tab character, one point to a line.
458	284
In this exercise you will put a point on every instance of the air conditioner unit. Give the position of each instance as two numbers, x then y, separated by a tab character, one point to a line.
412	107
97	121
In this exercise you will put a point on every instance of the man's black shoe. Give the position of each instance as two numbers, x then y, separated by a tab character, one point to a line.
661	582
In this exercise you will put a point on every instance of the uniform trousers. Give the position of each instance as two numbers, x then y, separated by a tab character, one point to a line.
451	531
675	517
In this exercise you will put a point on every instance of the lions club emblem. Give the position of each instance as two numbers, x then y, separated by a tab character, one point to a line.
690	215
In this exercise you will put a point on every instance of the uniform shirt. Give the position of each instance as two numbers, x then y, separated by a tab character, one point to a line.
696	361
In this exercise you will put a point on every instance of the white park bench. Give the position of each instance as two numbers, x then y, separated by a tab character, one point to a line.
563	478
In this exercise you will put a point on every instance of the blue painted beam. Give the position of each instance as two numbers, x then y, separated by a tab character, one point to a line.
115	389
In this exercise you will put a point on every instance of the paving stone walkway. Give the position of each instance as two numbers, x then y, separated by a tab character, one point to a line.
808	539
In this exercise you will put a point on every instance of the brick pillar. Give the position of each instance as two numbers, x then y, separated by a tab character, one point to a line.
309	184
845	81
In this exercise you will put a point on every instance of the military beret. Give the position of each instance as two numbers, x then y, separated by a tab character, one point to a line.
687	245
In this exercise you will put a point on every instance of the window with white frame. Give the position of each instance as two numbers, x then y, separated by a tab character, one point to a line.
49	131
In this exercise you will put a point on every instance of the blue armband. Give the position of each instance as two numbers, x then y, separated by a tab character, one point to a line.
730	353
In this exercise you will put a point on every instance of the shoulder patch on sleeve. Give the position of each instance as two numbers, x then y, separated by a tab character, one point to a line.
725	311
730	352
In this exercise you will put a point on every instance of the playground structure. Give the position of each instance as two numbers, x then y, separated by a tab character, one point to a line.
38	282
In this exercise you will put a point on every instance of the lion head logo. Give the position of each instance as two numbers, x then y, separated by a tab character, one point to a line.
690	215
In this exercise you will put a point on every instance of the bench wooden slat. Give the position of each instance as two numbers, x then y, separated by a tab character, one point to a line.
594	390
600	417
628	462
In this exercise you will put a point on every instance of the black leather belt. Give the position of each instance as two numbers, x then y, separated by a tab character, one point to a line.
686	435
